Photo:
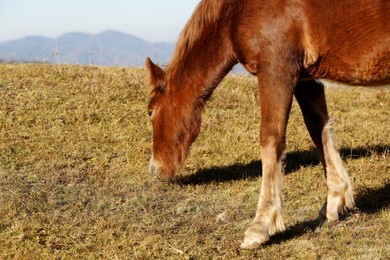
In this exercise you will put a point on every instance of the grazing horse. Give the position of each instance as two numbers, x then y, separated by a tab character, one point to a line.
290	46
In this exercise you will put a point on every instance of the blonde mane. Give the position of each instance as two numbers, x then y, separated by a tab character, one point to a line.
206	13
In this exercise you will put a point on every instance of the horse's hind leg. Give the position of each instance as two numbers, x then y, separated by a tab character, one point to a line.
311	98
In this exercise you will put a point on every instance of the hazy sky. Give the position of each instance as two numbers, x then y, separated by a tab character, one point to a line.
153	20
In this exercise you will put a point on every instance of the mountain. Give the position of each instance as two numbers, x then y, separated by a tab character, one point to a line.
109	48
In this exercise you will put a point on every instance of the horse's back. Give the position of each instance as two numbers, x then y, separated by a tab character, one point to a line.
347	41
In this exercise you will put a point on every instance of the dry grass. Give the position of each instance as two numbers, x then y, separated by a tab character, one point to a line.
74	147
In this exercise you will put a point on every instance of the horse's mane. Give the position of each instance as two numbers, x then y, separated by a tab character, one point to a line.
207	12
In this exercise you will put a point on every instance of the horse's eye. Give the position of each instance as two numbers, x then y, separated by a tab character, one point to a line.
150	112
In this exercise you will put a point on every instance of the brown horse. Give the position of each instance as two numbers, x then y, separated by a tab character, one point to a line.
289	46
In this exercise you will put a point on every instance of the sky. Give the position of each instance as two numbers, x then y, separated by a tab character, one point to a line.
152	20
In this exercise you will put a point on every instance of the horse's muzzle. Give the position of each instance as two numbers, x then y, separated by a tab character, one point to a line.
157	173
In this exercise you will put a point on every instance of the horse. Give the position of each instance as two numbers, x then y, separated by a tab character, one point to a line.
291	46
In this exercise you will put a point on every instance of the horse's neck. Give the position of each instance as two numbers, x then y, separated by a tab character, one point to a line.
203	67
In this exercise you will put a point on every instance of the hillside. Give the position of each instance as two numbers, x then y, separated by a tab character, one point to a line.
109	48
75	143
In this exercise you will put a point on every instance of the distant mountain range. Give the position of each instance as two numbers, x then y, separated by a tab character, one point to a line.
109	48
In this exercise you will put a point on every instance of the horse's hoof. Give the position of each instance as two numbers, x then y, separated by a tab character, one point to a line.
250	243
254	239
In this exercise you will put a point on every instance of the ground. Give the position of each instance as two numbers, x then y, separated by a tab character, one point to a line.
74	147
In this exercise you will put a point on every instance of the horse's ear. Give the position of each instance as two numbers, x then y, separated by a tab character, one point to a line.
156	73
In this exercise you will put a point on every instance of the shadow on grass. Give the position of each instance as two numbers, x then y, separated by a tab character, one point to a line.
294	161
369	201
251	171
363	152
373	200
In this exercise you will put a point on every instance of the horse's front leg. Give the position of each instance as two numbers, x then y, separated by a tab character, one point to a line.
276	95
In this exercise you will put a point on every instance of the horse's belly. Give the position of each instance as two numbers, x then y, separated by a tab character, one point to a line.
355	67
373	71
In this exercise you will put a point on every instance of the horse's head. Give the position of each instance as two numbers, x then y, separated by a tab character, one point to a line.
175	117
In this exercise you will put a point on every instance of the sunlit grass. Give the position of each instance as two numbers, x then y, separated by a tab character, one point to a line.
74	147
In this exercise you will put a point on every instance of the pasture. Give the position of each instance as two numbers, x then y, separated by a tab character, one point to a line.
74	148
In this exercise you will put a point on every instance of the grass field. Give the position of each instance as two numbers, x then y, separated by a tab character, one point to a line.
74	148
